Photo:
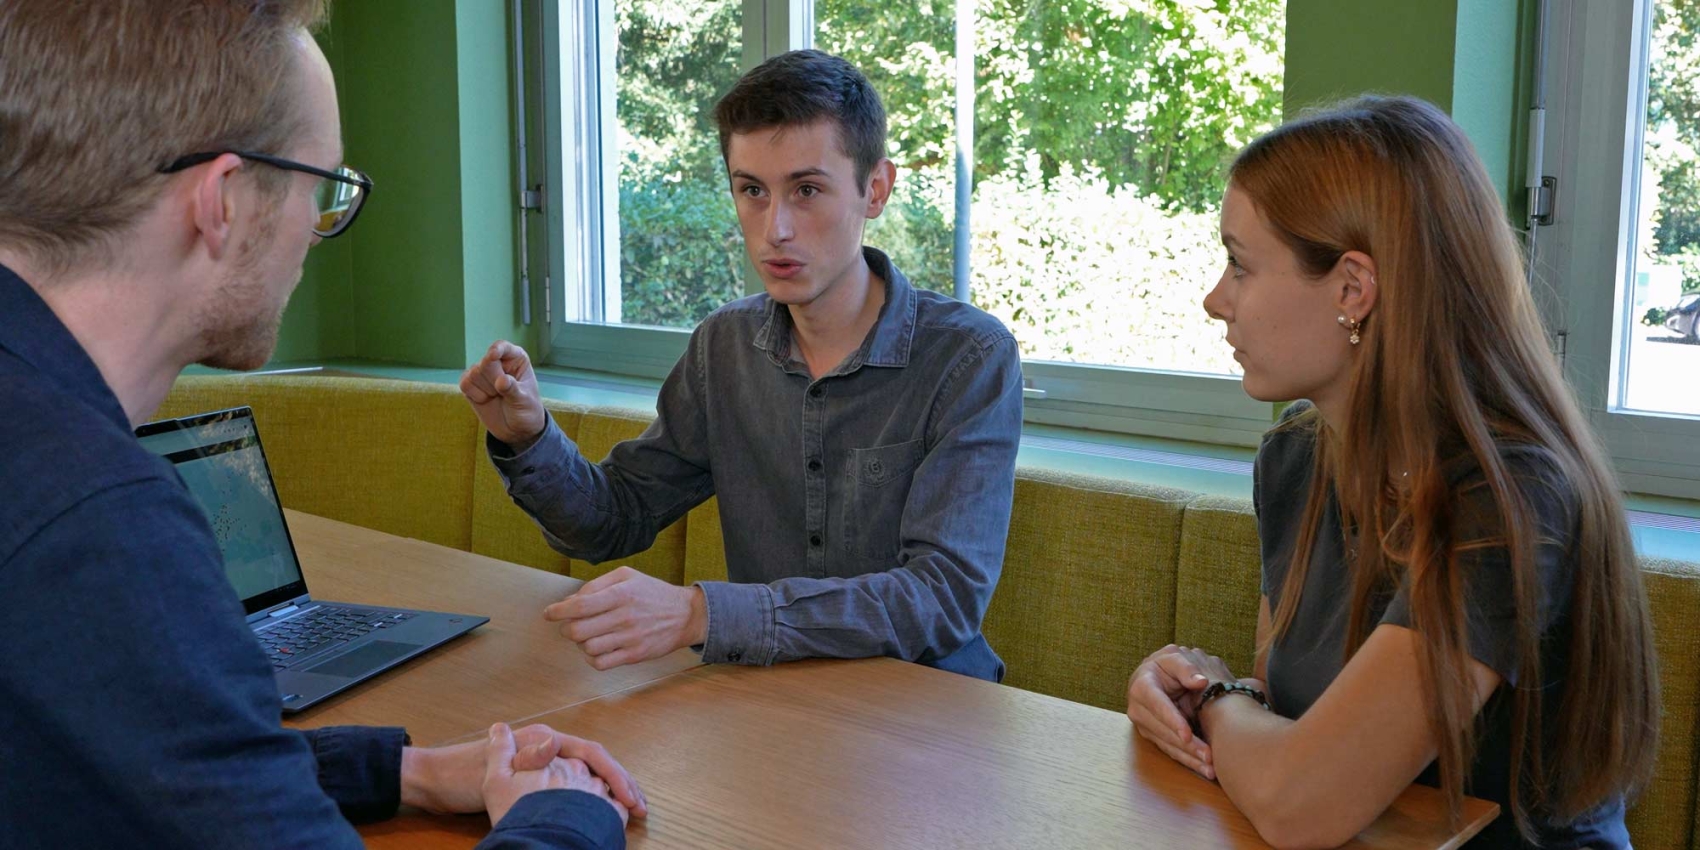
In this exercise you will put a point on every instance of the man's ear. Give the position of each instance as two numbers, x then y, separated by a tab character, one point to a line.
881	179
214	203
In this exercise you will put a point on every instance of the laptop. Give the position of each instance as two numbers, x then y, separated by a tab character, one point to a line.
316	648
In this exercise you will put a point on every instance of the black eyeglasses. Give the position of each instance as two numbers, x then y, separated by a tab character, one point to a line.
338	196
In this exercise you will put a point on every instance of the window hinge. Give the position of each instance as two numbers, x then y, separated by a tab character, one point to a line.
532	199
1542	200
1561	345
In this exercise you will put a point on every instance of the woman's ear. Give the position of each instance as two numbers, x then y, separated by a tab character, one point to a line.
1358	287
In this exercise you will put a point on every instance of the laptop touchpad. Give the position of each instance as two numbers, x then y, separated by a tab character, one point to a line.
365	659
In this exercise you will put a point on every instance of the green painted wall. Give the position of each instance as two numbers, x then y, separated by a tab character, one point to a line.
400	114
489	229
1339	48
1465	56
427	276
319	323
1488	87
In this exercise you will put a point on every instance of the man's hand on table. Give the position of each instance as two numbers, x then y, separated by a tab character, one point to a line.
508	776
458	779
625	617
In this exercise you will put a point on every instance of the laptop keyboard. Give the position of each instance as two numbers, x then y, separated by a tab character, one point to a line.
316	630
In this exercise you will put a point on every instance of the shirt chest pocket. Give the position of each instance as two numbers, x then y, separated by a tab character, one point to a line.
878	491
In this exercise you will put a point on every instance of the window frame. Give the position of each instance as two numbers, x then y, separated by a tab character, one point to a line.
1595	87
1598	56
1141	402
572	145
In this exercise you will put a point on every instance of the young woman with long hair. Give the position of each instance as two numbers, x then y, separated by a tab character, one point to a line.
1450	592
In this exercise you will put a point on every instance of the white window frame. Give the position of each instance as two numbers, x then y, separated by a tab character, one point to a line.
1594	87
578	113
1174	405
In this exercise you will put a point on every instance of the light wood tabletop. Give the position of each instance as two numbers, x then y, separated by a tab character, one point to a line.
819	754
882	754
513	667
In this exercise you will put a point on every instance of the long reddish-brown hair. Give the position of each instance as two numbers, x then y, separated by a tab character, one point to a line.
1454	365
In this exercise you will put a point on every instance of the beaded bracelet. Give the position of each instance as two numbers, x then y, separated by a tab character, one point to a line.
1217	689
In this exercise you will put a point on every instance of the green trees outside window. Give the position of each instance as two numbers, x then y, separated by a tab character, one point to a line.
1103	128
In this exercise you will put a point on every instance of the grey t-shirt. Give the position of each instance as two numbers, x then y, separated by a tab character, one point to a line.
1305	661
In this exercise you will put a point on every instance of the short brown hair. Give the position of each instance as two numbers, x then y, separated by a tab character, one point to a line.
96	96
802	87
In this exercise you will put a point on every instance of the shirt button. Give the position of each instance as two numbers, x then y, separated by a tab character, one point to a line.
734	657
814	464
814	540
815	391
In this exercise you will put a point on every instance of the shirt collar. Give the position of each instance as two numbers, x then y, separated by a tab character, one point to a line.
31	332
887	343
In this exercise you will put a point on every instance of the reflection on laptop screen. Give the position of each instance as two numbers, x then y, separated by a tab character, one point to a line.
219	458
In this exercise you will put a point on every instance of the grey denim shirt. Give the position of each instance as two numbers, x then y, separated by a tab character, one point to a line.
864	513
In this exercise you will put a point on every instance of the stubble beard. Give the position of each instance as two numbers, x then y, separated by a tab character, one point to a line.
240	329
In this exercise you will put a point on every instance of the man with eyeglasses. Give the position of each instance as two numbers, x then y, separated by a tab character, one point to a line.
164	168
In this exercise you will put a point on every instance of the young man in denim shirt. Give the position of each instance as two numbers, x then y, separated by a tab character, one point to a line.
860	433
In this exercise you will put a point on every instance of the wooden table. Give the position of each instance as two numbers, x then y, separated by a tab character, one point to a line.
855	754
514	667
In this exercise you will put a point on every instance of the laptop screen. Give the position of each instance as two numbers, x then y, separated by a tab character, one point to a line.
219	457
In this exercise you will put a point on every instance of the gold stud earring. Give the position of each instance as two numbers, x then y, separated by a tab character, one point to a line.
1352	325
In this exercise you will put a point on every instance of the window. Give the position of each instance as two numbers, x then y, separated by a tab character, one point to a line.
1623	254
1096	175
1101	134
638	158
1662	325
680	253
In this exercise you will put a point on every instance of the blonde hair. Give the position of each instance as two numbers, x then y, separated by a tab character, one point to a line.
97	95
1454	366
